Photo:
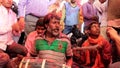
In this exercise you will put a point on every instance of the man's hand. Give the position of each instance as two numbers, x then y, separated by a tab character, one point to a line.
112	33
16	29
21	23
62	25
94	47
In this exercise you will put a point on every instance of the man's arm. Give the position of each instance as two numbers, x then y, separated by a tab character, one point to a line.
21	12
69	54
80	19
81	16
112	33
106	52
8	28
117	42
21	8
86	11
69	61
63	17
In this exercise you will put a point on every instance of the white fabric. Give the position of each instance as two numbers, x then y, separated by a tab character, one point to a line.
7	19
101	7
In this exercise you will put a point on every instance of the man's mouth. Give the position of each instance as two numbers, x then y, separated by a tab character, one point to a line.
56	30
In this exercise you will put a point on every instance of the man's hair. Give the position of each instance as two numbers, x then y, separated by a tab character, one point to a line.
91	23
39	23
50	16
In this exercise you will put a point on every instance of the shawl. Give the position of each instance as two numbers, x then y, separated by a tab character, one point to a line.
90	41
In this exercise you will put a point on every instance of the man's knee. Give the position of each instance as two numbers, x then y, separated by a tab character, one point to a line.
17	49
4	58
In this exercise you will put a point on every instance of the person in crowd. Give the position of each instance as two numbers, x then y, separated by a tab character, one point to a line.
55	7
114	24
95	51
34	10
14	7
113	33
9	27
101	6
30	41
54	46
89	12
77	37
70	16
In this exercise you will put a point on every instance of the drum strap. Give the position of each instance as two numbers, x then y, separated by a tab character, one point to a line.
63	66
26	65
20	66
43	63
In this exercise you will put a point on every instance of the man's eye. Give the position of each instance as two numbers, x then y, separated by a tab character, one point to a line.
55	22
42	29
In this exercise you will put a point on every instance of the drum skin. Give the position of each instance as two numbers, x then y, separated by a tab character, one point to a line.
30	62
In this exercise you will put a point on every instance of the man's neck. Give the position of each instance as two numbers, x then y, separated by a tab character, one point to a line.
8	9
50	38
73	4
94	37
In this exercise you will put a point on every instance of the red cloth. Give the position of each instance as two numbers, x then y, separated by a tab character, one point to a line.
90	41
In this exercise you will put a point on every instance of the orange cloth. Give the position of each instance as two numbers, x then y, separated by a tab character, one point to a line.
98	41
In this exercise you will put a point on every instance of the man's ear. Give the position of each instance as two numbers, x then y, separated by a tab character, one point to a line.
87	31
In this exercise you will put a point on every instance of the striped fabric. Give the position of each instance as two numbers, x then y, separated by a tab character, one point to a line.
53	56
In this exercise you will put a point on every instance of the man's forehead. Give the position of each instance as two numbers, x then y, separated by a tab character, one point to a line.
95	24
55	19
40	27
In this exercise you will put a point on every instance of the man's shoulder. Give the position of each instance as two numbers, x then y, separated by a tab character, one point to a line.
3	9
66	3
12	12
63	36
32	33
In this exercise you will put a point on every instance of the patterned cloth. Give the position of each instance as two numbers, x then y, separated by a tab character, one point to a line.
57	51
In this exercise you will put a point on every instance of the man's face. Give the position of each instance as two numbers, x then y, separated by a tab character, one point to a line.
40	30
102	1
91	1
95	30
0	1
53	27
73	1
7	3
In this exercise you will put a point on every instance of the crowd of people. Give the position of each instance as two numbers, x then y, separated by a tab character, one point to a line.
53	32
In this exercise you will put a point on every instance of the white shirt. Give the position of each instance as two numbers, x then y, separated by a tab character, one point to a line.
7	19
101	11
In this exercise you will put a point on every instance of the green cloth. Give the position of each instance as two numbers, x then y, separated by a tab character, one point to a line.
56	45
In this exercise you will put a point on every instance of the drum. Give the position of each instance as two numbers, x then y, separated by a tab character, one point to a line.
28	62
